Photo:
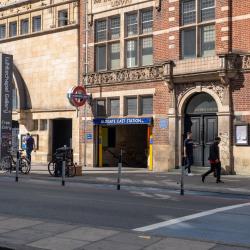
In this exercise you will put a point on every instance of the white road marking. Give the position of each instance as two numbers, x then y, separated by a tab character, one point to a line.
188	217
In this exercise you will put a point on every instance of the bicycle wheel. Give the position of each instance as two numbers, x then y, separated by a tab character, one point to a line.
24	165
5	164
51	168
71	170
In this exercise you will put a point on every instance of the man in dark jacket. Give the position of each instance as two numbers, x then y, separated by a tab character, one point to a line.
30	145
214	159
188	152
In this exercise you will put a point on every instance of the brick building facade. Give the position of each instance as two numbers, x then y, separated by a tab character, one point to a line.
182	64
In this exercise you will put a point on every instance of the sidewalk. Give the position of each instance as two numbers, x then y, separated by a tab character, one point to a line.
233	184
31	234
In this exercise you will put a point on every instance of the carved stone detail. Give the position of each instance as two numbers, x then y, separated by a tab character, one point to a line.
246	62
151	73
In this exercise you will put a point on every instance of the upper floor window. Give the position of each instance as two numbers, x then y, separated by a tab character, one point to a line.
62	18
24	26
139	41
12	29
107	48
36	23
197	37
2	31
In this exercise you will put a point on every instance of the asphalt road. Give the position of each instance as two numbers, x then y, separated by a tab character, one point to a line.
129	208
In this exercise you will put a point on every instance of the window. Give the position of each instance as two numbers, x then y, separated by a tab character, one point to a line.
36	23
146	105
43	124
35	125
12	29
131	105
114	107
101	108
198	38
24	26
139	49
62	18
107	44
2	31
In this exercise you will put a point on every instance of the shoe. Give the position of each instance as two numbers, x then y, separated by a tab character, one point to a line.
190	174
219	181
203	178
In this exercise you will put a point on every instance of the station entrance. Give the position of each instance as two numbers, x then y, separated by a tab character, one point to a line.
133	139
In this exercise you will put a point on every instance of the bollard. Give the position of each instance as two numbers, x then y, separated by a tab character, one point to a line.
119	172
17	164
64	166
182	179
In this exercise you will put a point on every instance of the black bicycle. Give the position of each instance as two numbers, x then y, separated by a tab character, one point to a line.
8	163
55	165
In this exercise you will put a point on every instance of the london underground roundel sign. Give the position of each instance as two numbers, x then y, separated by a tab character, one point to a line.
77	96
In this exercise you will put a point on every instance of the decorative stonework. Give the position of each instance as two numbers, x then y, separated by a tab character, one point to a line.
246	62
151	73
216	87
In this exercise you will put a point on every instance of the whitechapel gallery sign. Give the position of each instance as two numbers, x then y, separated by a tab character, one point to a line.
113	3
6	68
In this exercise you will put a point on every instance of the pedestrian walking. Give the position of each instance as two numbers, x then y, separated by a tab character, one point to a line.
188	153
30	146
214	159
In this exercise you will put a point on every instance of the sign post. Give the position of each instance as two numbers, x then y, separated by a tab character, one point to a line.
6	72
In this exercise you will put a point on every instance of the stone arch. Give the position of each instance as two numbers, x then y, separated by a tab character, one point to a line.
186	97
24	99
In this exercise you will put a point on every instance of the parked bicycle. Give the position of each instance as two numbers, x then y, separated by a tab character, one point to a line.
8	163
55	165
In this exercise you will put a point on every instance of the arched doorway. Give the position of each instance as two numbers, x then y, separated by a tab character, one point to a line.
201	119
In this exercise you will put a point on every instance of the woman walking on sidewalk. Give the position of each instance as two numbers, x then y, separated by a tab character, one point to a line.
214	159
188	152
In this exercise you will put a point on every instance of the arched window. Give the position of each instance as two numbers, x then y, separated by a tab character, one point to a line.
201	103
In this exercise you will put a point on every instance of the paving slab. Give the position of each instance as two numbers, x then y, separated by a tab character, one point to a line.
88	234
223	247
17	223
134	239
58	243
54	227
177	244
111	245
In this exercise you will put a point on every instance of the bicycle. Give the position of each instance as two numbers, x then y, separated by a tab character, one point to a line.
55	165
8	164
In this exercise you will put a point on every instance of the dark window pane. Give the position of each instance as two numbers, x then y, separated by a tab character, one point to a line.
115	56
147	51
131	53
132	106
207	10
114	107
101	58
111	137
62	18
36	23
147	21
207	40
188	12
101	30
24	26
101	107
188	43
132	23
2	31
115	28
146	105
13	29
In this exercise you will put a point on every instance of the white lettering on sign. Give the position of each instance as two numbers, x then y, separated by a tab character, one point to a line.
114	3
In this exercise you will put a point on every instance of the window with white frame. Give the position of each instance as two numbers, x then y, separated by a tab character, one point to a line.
139	40
198	28
107	43
62	18
36	23
2	31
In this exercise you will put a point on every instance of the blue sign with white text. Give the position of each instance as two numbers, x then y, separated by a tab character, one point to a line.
122	121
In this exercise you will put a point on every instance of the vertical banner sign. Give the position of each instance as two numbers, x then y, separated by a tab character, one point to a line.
6	69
